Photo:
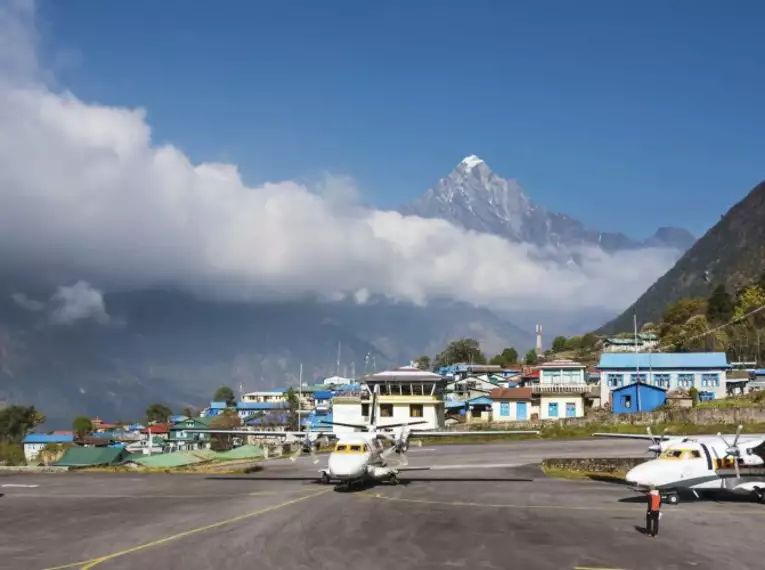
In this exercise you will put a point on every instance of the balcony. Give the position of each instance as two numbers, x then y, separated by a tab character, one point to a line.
560	388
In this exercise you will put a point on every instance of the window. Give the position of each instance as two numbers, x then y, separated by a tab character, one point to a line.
504	408
638	378
710	380
552	409
365	410
685	380
341	447
386	410
570	409
615	380
415	410
356	448
627	401
695	454
661	380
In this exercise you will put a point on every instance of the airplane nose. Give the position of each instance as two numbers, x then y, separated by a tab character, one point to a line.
641	475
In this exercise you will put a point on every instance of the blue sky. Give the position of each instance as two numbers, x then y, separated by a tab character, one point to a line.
626	116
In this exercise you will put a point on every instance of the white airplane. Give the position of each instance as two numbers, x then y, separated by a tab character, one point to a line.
361	456
700	465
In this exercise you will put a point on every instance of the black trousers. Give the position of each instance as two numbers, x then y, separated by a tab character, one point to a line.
652	523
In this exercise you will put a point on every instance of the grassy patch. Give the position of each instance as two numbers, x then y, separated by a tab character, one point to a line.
615	477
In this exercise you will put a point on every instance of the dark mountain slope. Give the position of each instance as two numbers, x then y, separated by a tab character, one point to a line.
732	253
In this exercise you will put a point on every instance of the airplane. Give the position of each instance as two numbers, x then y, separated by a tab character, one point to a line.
359	457
700	465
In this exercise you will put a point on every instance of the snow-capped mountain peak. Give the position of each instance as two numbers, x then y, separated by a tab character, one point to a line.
476	198
470	161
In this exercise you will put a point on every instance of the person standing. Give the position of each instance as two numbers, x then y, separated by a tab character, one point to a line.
653	513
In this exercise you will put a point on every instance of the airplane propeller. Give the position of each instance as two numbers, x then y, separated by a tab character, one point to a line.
655	446
400	444
733	450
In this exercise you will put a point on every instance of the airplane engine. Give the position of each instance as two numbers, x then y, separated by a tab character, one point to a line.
378	472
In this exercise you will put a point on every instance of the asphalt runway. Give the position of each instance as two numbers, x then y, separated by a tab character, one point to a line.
484	506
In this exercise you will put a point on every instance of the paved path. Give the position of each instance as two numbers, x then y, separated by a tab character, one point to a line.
513	517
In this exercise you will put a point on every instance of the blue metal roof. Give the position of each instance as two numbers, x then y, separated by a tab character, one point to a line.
640	385
322	395
48	438
261	405
454	404
218	405
480	401
679	360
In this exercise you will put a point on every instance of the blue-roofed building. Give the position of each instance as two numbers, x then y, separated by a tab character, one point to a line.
34	442
214	409
637	397
322	400
479	409
705	371
245	409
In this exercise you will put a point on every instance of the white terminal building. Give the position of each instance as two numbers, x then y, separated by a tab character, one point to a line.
406	394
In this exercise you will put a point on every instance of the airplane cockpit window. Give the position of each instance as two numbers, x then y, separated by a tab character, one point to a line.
341	447
681	454
356	448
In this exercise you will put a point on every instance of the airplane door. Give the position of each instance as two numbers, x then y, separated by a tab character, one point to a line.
522	410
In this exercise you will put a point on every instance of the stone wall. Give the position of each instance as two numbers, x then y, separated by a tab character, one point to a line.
593	465
698	416
33	469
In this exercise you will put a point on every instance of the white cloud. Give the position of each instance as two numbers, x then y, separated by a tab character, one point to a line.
77	303
84	194
26	303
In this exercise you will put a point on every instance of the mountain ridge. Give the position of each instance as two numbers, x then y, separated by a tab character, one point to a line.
731	253
474	197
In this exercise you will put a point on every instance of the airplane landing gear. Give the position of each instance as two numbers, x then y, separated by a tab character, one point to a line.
672	498
759	493
324	479
393	479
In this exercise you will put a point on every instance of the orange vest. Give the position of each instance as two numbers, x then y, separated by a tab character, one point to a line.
654	501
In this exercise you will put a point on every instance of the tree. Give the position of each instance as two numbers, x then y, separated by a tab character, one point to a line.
422	362
82	426
589	341
531	357
720	306
16	421
225	394
293	416
506	358
680	311
574	343
559	344
750	298
460	350
158	413
188	412
229	419
648	327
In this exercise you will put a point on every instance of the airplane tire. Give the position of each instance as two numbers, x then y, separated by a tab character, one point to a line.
324	479
393	480
673	499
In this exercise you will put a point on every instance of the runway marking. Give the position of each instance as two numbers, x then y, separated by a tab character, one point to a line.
482	466
88	564
594	568
19	485
638	506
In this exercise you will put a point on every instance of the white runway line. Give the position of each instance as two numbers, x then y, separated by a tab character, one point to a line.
19	485
473	466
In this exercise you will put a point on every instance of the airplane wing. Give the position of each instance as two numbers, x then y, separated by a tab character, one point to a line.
638	436
423	433
296	434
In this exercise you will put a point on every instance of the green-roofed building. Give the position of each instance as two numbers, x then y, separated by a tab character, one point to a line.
242	452
181	440
93	456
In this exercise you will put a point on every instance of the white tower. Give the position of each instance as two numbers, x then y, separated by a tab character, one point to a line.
539	340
